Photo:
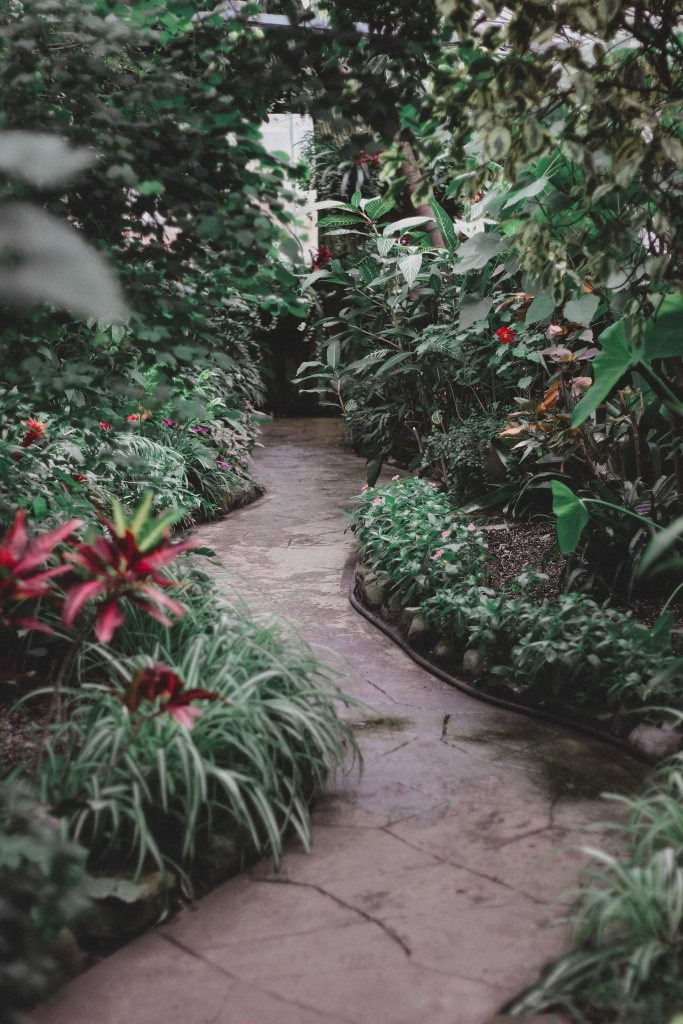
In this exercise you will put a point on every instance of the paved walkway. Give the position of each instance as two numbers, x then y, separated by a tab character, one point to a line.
429	877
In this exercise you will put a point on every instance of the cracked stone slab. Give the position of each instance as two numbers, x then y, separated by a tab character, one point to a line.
432	871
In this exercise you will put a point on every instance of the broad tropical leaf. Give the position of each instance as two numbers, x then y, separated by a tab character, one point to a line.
572	516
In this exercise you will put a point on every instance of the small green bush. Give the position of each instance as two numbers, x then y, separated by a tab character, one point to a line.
41	891
599	655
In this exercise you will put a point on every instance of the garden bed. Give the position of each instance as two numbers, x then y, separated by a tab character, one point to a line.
489	606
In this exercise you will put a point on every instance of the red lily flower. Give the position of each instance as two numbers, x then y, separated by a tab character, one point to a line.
19	558
506	335
162	682
35	431
322	257
126	563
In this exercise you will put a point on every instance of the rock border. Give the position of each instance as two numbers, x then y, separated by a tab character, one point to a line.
416	628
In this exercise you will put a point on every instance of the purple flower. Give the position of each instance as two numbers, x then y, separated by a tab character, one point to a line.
222	463
200	430
169	423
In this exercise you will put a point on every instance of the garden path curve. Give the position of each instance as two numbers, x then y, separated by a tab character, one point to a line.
422	899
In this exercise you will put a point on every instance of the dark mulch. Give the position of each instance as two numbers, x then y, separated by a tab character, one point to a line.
523	547
16	742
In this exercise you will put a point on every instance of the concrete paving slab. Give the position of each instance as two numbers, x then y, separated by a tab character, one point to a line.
432	872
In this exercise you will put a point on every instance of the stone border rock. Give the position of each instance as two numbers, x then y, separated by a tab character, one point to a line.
416	632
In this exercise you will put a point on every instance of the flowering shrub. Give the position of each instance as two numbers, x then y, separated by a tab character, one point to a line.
19	560
160	682
402	527
125	564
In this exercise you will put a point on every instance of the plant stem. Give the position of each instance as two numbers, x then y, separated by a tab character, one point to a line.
54	700
624	511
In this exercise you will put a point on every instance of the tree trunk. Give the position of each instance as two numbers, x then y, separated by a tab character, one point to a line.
674	369
412	172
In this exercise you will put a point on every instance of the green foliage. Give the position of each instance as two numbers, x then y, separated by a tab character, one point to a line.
461	454
589	656
42	876
626	922
154	792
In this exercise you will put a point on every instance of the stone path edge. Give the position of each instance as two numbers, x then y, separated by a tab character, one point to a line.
489	698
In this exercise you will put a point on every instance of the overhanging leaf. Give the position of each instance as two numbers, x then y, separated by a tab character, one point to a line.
572	516
403	225
608	366
43	259
41	159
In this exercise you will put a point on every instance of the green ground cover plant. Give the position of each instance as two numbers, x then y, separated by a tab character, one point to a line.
626	920
569	652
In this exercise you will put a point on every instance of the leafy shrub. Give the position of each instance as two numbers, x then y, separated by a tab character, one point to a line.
626	924
602	656
41	890
147	787
460	453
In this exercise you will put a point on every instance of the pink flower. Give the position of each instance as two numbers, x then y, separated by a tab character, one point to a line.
397	477
554	330
365	488
438	554
446	533
184	715
471	527
377	501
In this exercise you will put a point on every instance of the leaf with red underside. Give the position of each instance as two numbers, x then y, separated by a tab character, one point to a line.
15	540
41	548
78	595
109	618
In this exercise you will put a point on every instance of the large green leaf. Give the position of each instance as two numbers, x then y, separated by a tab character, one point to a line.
478	250
531	190
473	308
444	224
608	366
582	310
410	266
664	330
340	220
540	309
376	208
571	514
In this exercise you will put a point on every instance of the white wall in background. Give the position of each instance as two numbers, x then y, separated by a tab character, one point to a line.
287	133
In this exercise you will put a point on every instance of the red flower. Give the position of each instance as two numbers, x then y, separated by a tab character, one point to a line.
78	477
364	159
105	426
127	564
162	682
506	335
19	558
322	257
35	431
133	418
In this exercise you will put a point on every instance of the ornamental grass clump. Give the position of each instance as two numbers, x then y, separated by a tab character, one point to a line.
625	927
220	723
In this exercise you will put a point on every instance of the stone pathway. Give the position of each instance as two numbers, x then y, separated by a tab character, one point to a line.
430	874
